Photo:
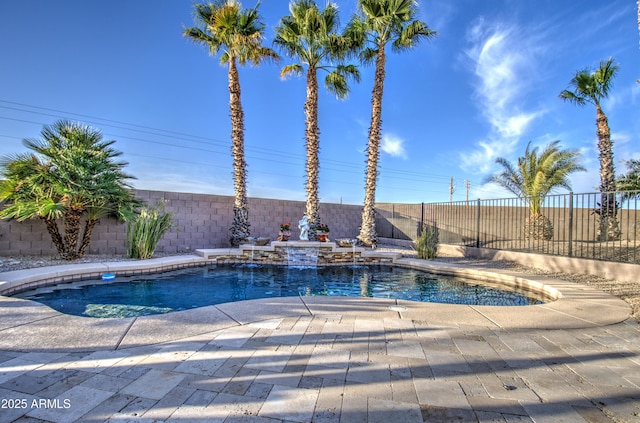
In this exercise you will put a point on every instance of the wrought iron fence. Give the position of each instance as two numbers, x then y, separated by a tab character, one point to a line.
591	225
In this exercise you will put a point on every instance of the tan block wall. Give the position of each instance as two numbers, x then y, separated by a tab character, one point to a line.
200	221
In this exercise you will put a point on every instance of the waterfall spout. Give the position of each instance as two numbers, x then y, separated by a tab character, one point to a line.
302	257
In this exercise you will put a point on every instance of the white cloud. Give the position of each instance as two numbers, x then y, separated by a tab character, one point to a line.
503	61
481	160
393	146
621	138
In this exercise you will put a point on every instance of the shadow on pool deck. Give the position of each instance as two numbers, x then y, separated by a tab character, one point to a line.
28	325
329	359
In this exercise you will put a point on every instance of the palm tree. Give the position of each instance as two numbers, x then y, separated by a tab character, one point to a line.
71	175
379	23
225	27
310	35
591	86
533	178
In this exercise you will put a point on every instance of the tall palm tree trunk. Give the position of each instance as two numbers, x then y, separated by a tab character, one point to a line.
368	235
609	228
240	228
312	134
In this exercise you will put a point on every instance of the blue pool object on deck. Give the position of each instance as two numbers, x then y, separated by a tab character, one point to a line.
108	277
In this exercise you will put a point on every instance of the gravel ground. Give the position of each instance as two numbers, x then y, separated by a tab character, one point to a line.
628	291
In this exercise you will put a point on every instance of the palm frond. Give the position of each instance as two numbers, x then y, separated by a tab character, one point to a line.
591	86
368	55
350	71
629	183
572	97
604	76
295	70
197	35
336	83
410	35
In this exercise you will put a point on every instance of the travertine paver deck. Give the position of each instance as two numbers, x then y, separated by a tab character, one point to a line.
324	360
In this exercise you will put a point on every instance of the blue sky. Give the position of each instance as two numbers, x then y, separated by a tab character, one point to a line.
483	88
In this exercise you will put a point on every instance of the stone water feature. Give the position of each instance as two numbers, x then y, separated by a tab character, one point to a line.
302	257
278	252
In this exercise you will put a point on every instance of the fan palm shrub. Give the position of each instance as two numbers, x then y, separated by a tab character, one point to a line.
592	86
535	176
378	24
236	33
310	35
70	180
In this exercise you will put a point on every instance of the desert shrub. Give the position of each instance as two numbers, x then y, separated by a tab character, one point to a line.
146	229
427	243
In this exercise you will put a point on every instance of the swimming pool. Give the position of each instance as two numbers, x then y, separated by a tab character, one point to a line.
203	286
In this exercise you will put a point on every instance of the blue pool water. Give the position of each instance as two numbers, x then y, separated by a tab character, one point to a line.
199	287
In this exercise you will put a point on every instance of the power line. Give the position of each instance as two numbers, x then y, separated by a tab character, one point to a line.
269	159
343	182
229	169
198	138
296	159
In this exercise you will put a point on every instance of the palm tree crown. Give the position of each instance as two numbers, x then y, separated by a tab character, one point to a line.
591	86
384	21
226	27
236	33
535	175
379	23
310	35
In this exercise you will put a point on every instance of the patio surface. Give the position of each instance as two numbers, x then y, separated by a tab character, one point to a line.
325	359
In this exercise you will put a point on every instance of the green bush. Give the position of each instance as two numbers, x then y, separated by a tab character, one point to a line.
146	229
427	244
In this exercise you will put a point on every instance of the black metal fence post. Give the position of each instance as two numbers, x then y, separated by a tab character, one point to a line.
478	225
570	235
421	228
393	220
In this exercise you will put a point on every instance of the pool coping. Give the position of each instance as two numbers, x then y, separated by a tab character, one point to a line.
29	326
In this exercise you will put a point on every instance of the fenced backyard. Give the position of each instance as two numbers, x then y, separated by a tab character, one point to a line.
502	224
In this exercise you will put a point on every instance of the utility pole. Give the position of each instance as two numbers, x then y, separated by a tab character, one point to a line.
467	184
452	189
